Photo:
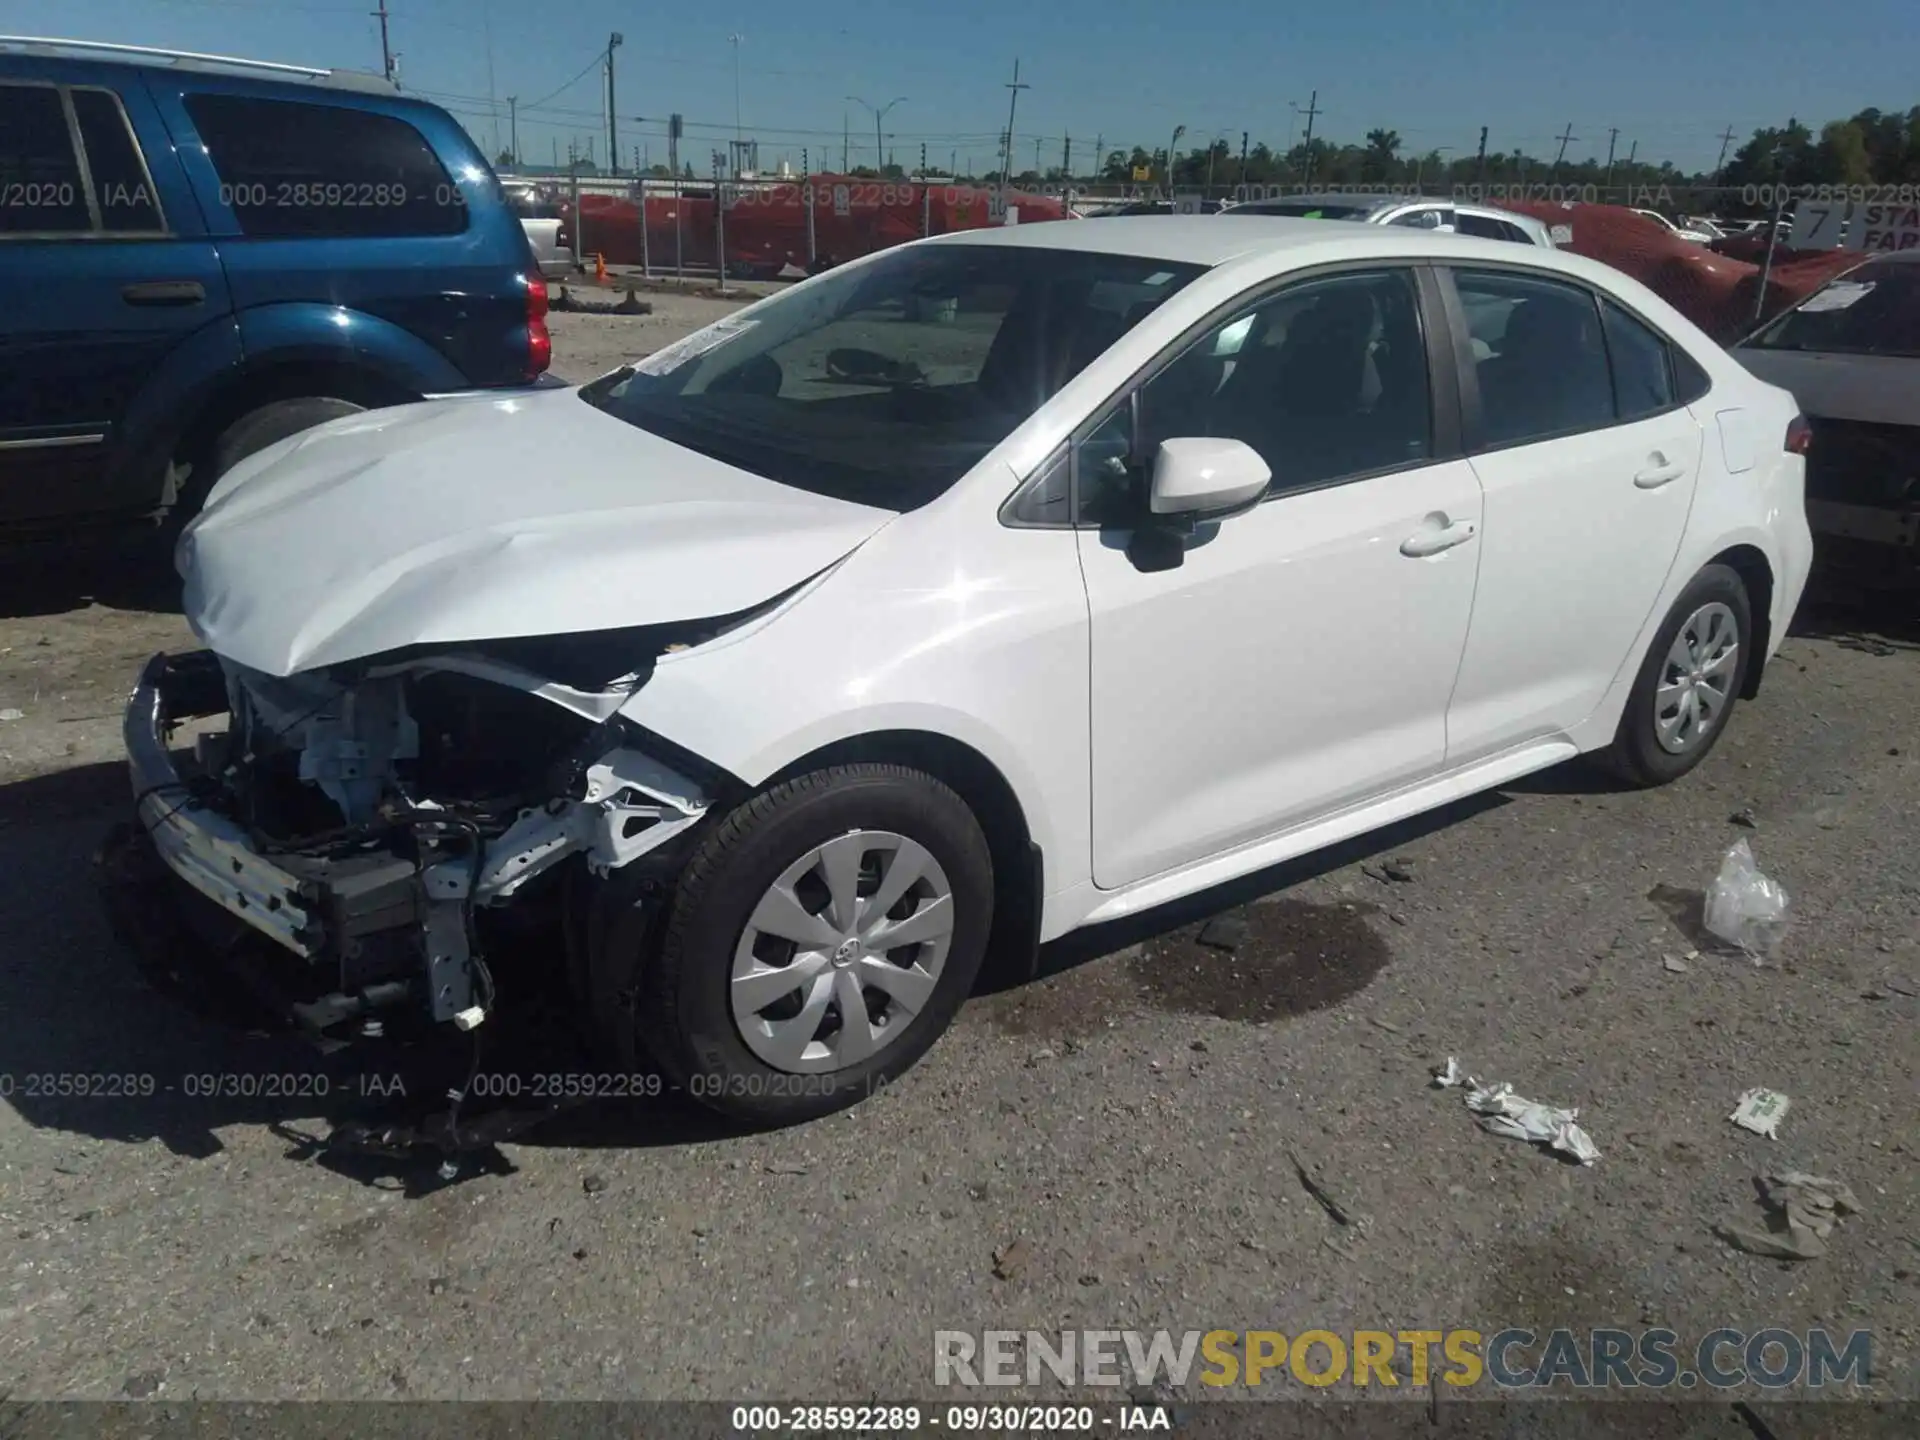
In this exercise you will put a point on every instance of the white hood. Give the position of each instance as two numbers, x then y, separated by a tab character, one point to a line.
488	517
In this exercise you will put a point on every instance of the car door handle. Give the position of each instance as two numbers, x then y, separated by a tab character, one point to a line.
1432	542
1654	476
165	292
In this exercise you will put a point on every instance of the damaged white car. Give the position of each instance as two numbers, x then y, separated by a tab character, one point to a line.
962	596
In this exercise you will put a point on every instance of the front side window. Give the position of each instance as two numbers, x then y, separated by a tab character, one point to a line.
40	188
885	384
1326	380
289	169
1428	217
1539	356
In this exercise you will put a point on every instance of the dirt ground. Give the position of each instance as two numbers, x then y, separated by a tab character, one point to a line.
1133	1117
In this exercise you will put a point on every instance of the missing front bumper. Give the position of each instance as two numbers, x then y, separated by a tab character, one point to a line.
397	920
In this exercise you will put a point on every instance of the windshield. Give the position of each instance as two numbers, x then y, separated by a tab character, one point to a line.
886	383
1873	310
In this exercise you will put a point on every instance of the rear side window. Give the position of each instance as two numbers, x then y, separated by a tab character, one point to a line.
1642	374
1485	227
128	203
40	188
289	169
1539	356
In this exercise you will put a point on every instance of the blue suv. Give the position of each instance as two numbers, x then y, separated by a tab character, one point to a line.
200	256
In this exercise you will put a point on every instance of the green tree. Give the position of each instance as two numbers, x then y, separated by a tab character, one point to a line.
1382	154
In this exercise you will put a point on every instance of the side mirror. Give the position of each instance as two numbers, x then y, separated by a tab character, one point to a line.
1202	476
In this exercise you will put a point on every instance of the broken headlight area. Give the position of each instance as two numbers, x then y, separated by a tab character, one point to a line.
372	819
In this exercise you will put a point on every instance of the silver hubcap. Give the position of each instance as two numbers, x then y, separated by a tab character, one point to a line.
1696	683
842	952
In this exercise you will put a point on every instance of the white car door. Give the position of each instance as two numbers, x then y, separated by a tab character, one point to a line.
1588	461
1299	657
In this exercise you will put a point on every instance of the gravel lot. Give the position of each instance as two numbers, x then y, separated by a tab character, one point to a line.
1132	1116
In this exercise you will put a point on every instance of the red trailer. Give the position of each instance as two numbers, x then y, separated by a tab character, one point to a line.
766	225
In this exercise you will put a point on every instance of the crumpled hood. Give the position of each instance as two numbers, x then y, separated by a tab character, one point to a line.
488	517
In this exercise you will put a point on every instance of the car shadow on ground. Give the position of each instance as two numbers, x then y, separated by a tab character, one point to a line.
96	1042
47	580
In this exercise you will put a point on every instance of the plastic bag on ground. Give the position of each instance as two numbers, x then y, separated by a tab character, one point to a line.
1745	906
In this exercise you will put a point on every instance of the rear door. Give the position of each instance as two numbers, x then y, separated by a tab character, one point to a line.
104	270
360	203
1588	459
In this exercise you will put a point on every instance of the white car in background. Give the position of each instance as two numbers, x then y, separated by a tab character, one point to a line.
960	597
1850	353
1686	232
1410	212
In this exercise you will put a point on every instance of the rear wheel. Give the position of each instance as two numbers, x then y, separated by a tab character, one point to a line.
817	943
1685	692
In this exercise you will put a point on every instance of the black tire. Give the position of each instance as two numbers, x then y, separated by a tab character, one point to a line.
254	432
661	970
1636	755
248	435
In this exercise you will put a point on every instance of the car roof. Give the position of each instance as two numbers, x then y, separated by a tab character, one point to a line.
194	62
1213	240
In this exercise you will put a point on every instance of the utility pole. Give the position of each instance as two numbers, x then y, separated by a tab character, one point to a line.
1066	159
614	42
846	142
1013	104
386	52
1244	138
1720	165
1313	109
1566	136
1480	165
1037	142
734	40
1612	136
513	126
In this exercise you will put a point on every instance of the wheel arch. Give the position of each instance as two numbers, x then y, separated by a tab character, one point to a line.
256	387
1750	563
1018	865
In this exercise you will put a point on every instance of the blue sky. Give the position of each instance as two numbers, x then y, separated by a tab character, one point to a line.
1671	76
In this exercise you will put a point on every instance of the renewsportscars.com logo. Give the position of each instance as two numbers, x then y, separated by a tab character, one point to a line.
1510	1359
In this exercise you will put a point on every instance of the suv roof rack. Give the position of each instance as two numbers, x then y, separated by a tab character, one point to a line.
194	60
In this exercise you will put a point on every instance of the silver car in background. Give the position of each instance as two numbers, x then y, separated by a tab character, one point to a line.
1415	212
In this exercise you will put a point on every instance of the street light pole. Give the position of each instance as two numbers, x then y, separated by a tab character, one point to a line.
879	113
1172	144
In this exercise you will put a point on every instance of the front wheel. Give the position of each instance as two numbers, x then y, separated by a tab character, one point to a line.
1684	694
816	945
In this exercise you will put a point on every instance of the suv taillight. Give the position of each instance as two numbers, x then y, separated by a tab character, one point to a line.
1799	436
539	342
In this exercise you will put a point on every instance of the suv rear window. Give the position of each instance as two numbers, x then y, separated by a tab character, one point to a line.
40	189
291	169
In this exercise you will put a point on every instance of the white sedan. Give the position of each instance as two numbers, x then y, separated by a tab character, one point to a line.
977	591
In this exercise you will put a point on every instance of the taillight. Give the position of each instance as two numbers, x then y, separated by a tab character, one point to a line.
1799	436
539	342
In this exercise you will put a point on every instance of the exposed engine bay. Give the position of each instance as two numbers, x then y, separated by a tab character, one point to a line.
364	815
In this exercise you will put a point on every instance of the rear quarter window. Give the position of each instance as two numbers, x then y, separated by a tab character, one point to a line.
292	169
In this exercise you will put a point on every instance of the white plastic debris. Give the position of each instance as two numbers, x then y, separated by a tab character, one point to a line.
1504	1113
1761	1111
1745	906
12	714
